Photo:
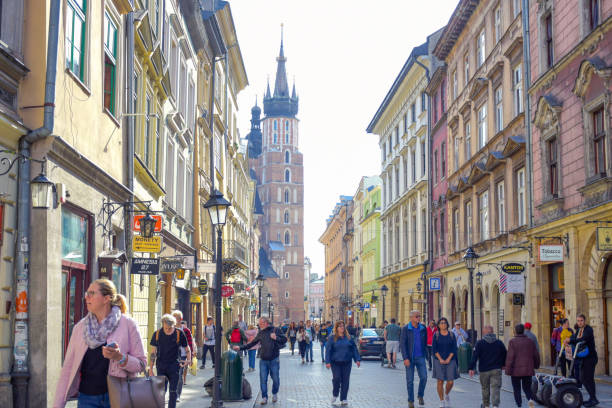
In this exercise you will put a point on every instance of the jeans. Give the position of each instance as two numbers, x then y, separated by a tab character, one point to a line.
516	387
206	348
429	356
252	358
341	375
490	383
172	372
179	386
421	367
93	401
292	342
587	374
322	351
271	367
303	348
309	350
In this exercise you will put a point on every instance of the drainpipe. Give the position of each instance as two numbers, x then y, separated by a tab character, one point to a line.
20	373
211	125
429	261
527	82
130	110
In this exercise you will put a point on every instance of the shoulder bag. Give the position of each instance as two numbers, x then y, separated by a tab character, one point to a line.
137	392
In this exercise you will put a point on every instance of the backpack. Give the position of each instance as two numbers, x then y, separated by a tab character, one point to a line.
235	337
178	336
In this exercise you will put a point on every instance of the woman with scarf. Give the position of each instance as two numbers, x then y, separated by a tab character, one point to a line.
105	342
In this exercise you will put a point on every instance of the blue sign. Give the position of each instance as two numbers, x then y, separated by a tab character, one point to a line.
435	283
366	306
349	313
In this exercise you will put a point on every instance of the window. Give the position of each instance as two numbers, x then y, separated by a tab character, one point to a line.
466	69
456	229
455	85
286	295
287	176
275	139
482	126
414	233
423	162
521	197
405	173
287	157
443	98
548	41
423	102
483	215
287	238
278	236
443	160
384	152
413	164
553	187
456	154
406	123
275	132
397	135
599	142
501	207
593	14
170	173
499	110
158	136
468	141
480	48
435	166
397	181
498	23
286	275
437	236
147	135
516	7
110	64
286	132
286	217
435	108
76	12
413	112
442	236
517	84
424	228
468	223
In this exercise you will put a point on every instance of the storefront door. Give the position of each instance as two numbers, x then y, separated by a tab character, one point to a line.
557	297
608	317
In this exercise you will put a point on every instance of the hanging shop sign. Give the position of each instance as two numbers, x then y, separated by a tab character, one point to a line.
158	222
169	265
518	299
203	286
227	291
604	238
435	283
551	253
206	267
193	298
511	283
513	267
145	266
151	245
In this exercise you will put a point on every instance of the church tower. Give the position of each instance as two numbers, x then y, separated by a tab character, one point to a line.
274	155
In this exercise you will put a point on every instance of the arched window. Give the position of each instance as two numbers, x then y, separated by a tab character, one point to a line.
287	176
287	156
275	138
286	217
287	196
287	238
275	125
286	126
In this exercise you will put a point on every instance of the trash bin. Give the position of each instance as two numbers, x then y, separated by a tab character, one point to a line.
464	357
231	376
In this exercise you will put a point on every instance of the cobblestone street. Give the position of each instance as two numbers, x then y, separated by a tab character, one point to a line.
309	386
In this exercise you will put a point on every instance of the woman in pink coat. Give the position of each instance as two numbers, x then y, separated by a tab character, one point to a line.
105	342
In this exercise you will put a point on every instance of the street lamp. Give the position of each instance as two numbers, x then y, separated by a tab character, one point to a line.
383	291
272	309
147	226
332	313
269	296
217	209
42	191
470	258
478	278
419	286
260	282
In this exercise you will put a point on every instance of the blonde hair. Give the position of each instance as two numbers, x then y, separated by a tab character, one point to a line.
179	314
107	288
251	327
336	334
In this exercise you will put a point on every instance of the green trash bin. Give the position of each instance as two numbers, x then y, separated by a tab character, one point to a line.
464	357
231	376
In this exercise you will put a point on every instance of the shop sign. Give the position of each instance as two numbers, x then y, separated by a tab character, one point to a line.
187	261
513	267
171	264
207	267
151	245
145	266
551	253
158	222
193	298
604	238
366	306
227	291
511	283
500	323
435	283
203	286
419	300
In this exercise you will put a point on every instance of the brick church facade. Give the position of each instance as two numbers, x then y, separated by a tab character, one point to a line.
277	165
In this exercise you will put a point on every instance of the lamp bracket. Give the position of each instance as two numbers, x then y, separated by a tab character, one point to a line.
528	248
497	265
109	208
7	163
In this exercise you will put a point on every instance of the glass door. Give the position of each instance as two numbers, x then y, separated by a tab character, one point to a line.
73	304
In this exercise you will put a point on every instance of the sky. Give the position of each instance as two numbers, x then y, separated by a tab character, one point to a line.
344	56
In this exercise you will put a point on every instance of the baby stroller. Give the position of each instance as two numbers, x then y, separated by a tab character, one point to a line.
557	390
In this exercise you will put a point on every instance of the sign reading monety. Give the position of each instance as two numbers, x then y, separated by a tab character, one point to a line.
513	267
145	266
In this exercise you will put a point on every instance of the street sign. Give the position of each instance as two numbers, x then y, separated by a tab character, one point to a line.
349	313
435	283
145	266
203	286
158	222
193	298
604	238
419	300
171	264
513	267
227	291
518	299
366	306
551	253
151	245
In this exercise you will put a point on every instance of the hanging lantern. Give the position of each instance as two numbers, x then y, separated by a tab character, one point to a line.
42	191
180	274
147	226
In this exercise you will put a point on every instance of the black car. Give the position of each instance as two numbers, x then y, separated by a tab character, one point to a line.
371	343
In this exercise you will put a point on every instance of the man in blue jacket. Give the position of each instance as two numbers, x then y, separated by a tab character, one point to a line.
413	344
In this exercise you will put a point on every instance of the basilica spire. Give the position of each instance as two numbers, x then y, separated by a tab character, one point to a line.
281	103
281	88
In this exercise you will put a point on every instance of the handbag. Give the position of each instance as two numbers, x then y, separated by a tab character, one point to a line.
194	366
137	392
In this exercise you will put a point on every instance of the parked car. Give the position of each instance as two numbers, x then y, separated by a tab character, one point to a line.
371	343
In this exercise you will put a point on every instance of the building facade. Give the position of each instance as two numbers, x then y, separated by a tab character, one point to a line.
570	93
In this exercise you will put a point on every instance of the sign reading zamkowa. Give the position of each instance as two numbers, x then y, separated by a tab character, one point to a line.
145	266
513	267
151	245
171	264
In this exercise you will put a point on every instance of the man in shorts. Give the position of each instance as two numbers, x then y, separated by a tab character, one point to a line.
392	336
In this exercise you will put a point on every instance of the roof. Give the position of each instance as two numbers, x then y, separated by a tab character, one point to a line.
265	266
258	205
416	52
455	27
276	246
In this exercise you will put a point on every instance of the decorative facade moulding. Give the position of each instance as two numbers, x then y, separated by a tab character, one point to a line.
548	112
585	73
513	144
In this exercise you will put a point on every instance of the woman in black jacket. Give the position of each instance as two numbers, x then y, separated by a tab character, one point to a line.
584	335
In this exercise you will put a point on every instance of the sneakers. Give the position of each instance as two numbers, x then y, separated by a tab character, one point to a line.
421	402
344	402
202	367
274	398
531	404
410	404
447	400
302	361
264	401
442	404
334	400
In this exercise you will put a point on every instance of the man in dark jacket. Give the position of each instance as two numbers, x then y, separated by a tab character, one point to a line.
413	344
490	353
271	340
324	333
521	361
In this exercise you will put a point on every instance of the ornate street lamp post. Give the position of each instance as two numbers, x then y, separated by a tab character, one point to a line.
332	313
470	258
272	309
217	209
269	296
260	282
383	291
